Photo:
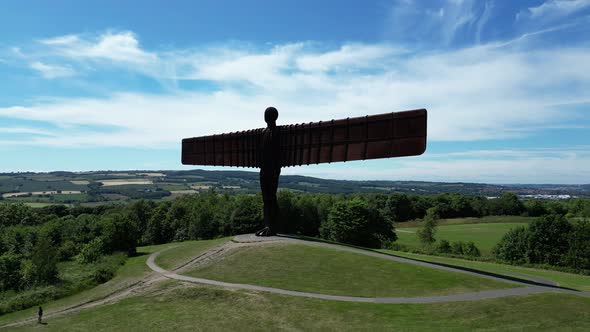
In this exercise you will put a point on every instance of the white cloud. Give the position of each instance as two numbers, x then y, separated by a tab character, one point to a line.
350	56
112	46
52	71
553	9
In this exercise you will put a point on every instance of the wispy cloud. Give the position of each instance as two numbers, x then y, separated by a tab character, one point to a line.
52	71
434	25
553	9
24	130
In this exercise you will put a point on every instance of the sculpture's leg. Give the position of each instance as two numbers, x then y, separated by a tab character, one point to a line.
269	182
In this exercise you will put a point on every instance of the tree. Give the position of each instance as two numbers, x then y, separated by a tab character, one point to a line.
119	234
578	255
399	207
9	271
158	230
140	212
246	216
548	240
535	208
44	262
354	223
513	246
428	230
507	204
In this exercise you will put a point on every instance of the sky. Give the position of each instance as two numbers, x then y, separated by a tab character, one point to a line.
116	85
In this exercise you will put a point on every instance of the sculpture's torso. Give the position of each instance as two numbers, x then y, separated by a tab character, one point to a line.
270	149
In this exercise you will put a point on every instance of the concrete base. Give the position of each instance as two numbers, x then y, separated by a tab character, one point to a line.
251	238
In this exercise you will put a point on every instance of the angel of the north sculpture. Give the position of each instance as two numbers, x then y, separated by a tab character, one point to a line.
388	135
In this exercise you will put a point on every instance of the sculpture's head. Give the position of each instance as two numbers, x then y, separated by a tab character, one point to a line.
270	116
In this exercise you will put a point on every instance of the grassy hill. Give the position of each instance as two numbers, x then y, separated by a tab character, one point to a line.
320	270
169	305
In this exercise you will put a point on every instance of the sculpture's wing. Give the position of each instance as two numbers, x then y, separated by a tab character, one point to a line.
231	149
370	137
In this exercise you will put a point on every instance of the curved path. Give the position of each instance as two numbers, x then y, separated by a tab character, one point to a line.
530	287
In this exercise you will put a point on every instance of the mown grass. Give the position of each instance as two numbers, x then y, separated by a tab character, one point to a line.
185	251
484	235
563	279
203	308
329	271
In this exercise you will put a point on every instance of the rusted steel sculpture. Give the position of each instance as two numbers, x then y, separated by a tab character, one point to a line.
370	137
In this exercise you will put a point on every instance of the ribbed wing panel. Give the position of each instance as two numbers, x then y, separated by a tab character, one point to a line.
369	137
232	149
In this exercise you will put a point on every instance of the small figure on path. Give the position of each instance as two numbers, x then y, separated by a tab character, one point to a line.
40	315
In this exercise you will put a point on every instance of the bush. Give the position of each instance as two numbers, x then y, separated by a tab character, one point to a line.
354	223
67	250
469	249
444	247
92	251
457	248
102	274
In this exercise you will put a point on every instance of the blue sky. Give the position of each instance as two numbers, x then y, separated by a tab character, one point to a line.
117	84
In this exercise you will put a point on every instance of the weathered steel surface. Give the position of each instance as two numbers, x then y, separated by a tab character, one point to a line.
370	137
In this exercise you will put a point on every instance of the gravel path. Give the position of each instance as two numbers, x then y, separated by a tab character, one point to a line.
529	287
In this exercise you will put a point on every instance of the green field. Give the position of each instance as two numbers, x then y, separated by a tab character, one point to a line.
470	220
563	279
328	271
485	235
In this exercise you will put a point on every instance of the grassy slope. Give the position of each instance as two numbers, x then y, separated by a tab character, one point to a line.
185	251
201	308
327	271
133	271
485	236
569	280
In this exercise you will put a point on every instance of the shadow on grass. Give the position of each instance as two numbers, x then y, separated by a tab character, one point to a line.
467	269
